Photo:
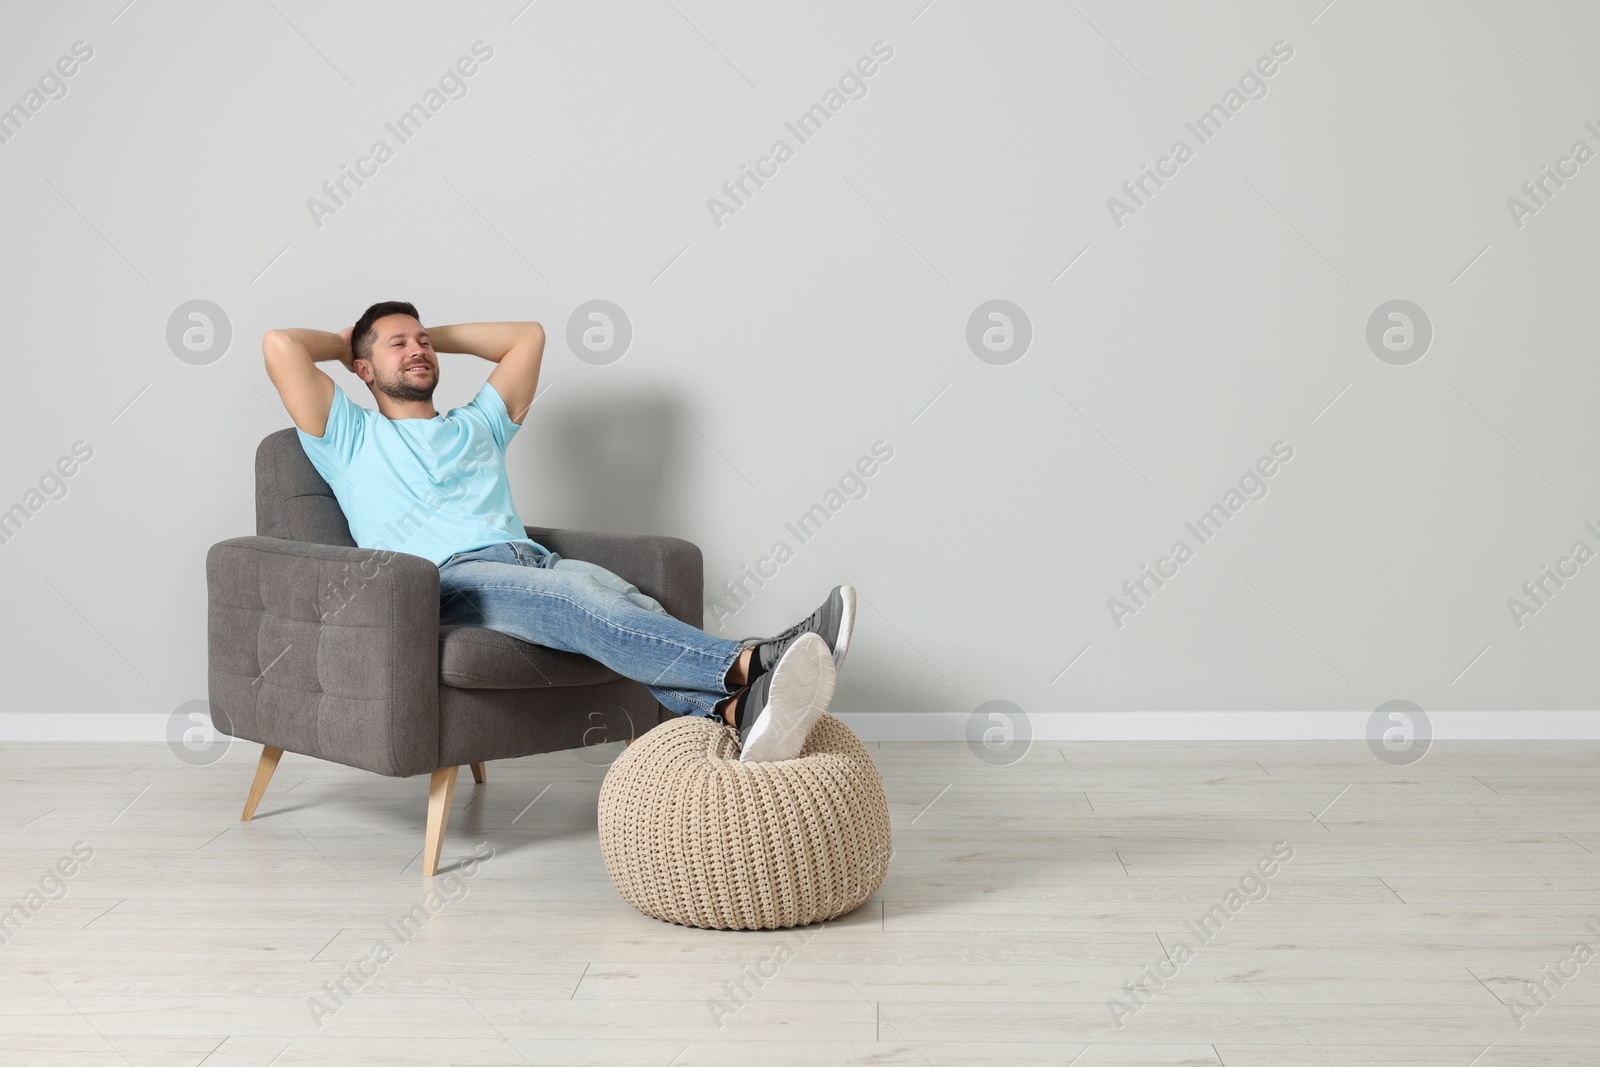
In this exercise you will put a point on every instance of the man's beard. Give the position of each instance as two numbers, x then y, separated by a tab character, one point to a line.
402	388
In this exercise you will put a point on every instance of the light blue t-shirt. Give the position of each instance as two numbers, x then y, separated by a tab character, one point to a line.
427	487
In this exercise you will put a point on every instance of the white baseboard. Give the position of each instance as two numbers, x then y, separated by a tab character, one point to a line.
83	726
1046	726
1234	725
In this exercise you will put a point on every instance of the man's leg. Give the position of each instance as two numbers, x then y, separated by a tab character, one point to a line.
833	621
681	701
578	607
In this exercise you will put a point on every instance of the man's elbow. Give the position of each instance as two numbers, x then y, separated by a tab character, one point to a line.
279	346
273	341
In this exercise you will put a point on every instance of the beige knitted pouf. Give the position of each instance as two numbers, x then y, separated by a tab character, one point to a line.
690	835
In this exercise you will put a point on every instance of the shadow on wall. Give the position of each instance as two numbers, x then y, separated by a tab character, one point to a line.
608	463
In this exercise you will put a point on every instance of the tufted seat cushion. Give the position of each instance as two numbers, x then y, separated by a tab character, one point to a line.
472	657
692	836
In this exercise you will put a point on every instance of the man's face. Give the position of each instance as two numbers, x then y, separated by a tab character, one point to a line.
403	364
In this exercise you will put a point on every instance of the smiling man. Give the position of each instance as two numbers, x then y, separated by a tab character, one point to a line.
412	480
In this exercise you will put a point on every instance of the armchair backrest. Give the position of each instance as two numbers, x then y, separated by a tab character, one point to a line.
292	499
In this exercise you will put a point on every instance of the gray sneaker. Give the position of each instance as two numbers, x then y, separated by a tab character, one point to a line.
785	703
832	622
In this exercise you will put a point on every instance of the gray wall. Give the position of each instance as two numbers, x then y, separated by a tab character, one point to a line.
1175	339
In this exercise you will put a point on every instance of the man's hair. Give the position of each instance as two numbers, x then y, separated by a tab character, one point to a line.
361	336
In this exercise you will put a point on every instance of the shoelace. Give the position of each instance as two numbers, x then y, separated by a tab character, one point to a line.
812	622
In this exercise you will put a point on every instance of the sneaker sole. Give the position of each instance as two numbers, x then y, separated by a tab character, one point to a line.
847	624
800	690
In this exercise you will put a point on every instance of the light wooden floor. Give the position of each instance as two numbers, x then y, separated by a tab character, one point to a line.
1019	900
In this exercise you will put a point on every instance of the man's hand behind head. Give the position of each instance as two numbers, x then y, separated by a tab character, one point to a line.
347	357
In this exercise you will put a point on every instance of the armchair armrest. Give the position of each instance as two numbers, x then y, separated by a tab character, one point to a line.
326	650
669	569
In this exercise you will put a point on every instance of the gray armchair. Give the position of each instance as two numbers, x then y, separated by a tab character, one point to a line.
322	648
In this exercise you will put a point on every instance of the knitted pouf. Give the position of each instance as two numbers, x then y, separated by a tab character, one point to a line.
692	836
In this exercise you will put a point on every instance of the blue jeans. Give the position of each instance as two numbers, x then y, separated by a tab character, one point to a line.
525	591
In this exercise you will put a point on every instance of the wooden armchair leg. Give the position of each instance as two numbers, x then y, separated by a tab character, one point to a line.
441	790
258	788
479	775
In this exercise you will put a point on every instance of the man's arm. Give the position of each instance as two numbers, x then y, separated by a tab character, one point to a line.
517	348
292	356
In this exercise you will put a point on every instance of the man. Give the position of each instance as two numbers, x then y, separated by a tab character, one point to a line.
438	484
